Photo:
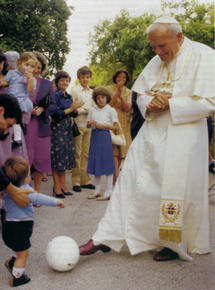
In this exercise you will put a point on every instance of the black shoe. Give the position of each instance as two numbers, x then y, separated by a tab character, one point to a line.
24	279
212	167
61	195
89	248
67	192
165	255
77	188
16	144
9	264
89	186
58	195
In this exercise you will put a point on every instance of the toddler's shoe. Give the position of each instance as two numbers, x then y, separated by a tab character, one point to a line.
24	279
9	264
16	144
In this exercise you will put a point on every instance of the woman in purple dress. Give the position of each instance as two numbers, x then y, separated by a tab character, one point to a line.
38	130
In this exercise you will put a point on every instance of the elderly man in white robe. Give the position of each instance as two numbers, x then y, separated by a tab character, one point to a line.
160	201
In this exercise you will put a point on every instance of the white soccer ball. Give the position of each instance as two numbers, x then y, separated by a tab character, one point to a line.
62	253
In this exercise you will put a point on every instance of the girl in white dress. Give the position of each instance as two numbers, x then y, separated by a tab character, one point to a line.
101	119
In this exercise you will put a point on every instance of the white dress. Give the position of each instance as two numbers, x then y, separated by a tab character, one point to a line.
170	152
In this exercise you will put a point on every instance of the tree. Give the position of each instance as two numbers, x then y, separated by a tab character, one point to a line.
36	25
197	20
124	43
121	44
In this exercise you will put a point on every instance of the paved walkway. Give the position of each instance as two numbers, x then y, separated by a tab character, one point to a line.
110	271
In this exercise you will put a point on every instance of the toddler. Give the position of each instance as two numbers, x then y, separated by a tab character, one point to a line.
21	82
18	225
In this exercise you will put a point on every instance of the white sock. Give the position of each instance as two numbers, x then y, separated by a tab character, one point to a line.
17	132
109	187
17	272
97	180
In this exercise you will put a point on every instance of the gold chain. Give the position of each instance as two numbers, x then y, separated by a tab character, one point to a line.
162	65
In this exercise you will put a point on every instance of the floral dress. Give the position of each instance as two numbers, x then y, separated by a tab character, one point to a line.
62	140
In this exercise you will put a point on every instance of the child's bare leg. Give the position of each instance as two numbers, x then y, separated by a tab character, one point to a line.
20	262
18	276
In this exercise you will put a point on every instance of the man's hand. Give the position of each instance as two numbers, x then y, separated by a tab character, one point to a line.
159	103
19	195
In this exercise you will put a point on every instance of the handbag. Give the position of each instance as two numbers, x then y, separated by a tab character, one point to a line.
75	130
44	102
118	138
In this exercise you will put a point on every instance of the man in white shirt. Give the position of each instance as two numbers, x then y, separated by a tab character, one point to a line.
160	199
82	92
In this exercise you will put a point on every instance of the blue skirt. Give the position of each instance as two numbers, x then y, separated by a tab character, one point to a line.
100	158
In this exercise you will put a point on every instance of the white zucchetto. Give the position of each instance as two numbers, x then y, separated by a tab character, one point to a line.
166	19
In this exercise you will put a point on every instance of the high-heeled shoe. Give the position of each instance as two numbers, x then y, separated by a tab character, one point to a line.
66	192
58	195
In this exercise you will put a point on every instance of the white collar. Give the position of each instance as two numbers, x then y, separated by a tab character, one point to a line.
104	108
82	88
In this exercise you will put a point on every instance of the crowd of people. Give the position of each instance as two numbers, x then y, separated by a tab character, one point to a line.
165	116
42	136
45	137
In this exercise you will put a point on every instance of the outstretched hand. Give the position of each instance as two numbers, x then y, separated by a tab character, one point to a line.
60	204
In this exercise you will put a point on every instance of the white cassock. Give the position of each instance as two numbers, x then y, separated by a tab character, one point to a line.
168	157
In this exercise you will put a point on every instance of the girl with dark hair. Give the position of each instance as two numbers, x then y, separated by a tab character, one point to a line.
101	119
